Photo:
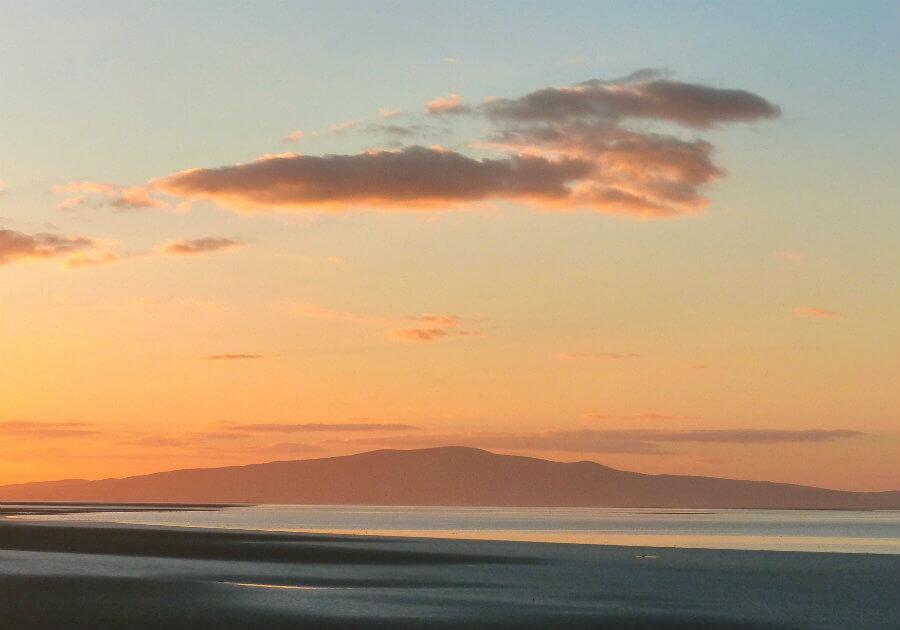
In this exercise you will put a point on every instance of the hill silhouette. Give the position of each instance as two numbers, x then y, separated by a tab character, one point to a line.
446	476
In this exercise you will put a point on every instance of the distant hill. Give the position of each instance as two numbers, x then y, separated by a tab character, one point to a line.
446	476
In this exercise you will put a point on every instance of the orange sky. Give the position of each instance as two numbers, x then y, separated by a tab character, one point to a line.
229	261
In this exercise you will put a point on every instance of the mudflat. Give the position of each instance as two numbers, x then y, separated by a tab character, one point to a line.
89	575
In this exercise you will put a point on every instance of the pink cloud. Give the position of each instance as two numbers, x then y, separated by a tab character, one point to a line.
20	246
817	313
595	355
452	104
195	246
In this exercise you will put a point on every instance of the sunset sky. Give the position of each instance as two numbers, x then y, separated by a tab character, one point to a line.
661	236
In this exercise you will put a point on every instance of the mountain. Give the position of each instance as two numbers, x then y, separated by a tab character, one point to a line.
446	476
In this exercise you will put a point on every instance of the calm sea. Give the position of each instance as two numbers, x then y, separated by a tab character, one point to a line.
784	530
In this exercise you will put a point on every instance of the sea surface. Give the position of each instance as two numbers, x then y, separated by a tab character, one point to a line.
771	530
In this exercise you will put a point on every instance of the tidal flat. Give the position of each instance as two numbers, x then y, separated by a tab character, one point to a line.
107	575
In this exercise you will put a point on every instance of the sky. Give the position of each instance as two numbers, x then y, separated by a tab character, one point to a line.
661	236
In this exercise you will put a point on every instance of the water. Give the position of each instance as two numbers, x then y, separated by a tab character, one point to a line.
777	530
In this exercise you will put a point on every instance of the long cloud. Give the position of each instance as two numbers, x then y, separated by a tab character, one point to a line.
18	246
561	148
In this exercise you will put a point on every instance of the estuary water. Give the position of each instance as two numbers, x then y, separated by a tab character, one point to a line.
773	530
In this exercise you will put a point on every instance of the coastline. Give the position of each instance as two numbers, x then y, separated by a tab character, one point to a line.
89	575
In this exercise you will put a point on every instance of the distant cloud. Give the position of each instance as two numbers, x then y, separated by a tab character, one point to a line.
452	104
639	416
453	60
607	441
590	145
431	326
231	357
337	427
79	261
422	335
797	258
595	355
817	313
192	247
47	429
123	197
643	94
389	113
416	175
291	137
20	246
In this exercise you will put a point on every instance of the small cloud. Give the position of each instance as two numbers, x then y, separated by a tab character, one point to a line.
639	416
48	429
389	113
231	357
80	261
452	104
453	60
293	137
797	258
421	335
127	197
20	246
595	355
361	427
192	247
817	313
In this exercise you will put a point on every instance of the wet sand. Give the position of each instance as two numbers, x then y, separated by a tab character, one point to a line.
83	575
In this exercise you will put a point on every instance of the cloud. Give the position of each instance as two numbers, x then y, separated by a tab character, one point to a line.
339	427
453	60
817	313
389	113
19	246
644	94
595	355
607	441
639	416
415	175
47	429
432	326
559	148
231	357
192	247
292	137
421	335
798	258
80	261
452	104
123	197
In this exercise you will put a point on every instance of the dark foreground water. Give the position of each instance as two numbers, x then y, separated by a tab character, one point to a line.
106	576
775	530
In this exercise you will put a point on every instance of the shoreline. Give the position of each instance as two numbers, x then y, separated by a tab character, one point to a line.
86	575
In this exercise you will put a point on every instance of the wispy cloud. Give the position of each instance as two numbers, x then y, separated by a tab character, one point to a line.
817	313
195	246
639	416
429	326
20	246
48	429
607	441
122	197
318	426
797	258
231	357
596	355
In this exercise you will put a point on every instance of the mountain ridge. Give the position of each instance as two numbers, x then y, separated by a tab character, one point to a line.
449	475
